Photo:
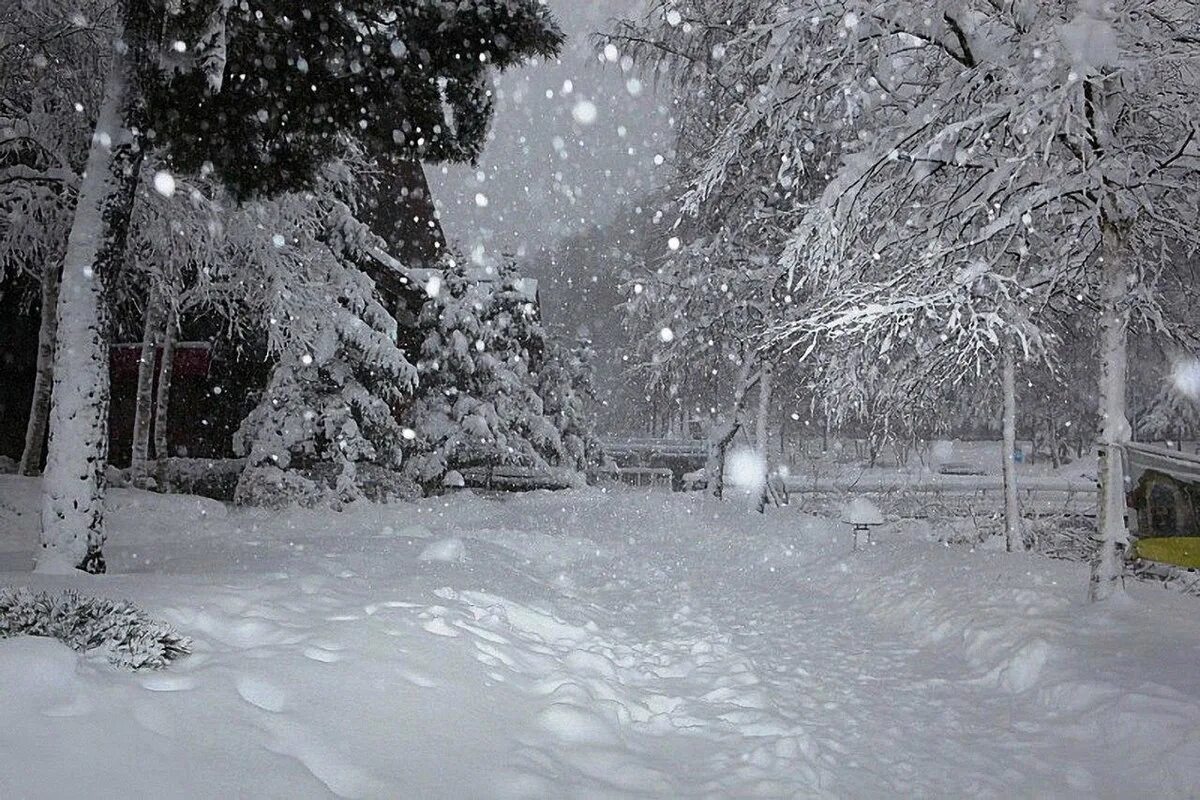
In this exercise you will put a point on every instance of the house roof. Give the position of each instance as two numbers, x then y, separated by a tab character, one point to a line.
399	209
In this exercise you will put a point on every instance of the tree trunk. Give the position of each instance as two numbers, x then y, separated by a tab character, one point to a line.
1014	538
1052	432
762	441
1114	427
72	533
722	434
39	407
166	372
143	412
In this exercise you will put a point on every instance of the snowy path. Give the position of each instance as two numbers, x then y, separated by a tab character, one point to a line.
886	716
847	706
591	645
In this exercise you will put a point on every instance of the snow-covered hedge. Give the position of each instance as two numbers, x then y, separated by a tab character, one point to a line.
116	629
268	486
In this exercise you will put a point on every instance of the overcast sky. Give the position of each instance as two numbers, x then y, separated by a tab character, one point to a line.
571	140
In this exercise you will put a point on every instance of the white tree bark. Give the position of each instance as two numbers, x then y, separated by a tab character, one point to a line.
72	533
39	406
723	432
143	412
762	430
162	401
1014	537
1114	426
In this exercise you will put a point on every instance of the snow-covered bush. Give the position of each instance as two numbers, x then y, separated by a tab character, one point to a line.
479	401
120	632
331	403
269	486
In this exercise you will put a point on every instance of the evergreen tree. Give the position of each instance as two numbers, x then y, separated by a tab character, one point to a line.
478	404
565	384
332	400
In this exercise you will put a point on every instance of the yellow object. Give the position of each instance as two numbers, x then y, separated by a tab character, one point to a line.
1182	551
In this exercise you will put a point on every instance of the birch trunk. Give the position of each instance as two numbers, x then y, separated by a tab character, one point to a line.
1014	538
1114	426
162	401
143	412
39	407
721	435
72	535
761	441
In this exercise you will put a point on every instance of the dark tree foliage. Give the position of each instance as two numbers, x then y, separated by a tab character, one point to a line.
409	78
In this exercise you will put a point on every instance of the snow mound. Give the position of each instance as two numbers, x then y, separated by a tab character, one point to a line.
34	669
450	550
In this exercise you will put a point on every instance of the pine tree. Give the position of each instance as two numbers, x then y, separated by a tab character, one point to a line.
478	404
565	384
333	398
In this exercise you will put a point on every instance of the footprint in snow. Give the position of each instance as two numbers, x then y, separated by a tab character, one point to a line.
374	608
418	679
439	626
340	775
168	683
154	718
322	655
79	706
261	693
571	723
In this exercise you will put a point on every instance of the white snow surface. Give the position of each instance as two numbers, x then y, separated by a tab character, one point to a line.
594	644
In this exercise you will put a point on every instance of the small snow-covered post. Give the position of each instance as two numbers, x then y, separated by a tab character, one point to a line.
1014	538
39	406
453	481
861	515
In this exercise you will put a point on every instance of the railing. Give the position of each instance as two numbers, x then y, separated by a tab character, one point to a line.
617	448
943	495
654	477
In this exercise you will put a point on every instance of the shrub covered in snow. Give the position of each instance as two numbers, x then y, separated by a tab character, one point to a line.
268	486
481	400
116	629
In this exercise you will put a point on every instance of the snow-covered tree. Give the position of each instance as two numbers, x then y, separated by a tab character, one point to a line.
565	385
1173	411
478	403
704	299
1047	145
332	401
189	79
50	55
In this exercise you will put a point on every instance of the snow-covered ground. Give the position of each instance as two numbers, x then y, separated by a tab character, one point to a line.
593	644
